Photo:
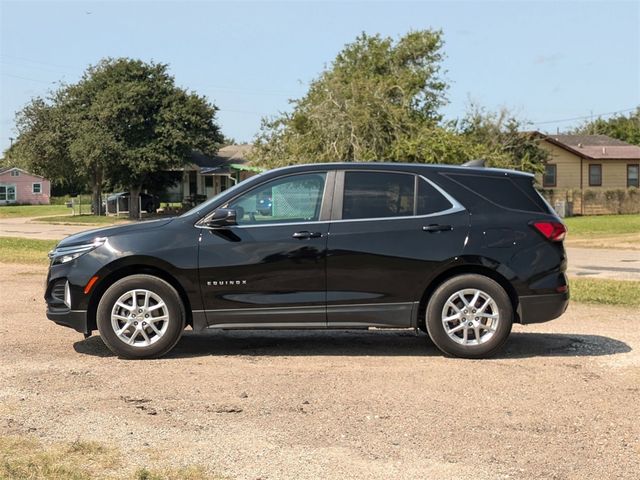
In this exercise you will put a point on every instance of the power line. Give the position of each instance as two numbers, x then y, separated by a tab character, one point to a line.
584	117
26	78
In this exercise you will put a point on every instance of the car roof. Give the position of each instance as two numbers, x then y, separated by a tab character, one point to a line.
402	167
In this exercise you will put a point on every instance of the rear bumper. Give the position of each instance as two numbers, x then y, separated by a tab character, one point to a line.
542	308
76	319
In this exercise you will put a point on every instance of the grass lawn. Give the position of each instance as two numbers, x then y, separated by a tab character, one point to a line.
81	219
605	292
26	458
25	250
603	225
12	211
604	231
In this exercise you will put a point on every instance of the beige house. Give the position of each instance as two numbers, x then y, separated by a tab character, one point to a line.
589	161
584	167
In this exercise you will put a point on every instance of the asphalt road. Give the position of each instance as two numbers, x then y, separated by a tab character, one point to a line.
24	227
560	402
604	263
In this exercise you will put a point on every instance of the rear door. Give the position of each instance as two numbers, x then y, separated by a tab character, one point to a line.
389	232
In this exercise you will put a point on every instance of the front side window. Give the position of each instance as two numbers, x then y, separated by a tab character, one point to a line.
595	175
377	195
549	176
633	175
37	188
296	198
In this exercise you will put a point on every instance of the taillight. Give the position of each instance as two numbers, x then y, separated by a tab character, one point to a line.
554	231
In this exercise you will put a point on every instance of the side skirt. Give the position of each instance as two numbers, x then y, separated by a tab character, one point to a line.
378	315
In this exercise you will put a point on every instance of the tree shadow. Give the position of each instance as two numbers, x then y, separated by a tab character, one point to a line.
363	343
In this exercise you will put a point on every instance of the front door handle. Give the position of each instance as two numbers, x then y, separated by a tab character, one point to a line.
304	235
434	227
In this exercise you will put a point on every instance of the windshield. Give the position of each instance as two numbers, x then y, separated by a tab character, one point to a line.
208	203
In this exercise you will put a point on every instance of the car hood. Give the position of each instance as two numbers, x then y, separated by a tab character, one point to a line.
89	235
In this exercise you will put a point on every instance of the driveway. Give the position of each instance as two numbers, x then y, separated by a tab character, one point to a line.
560	402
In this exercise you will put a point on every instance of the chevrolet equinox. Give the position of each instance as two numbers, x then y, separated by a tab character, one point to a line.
459	252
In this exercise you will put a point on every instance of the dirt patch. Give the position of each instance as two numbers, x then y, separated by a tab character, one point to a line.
560	402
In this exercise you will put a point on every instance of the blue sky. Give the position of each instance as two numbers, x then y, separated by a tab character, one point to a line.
547	61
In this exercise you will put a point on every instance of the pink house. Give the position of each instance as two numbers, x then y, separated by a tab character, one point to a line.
20	186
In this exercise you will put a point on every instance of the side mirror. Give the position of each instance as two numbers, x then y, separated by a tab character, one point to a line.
221	218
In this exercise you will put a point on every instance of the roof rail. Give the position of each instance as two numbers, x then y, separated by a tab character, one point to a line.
479	162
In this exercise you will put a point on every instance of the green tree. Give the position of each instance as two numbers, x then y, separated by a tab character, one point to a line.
380	100
125	122
498	137
377	95
622	127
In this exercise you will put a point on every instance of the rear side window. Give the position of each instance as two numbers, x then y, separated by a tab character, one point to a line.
502	191
377	195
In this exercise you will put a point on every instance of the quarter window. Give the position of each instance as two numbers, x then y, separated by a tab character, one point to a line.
595	175
633	172
549	176
377	195
37	188
297	198
430	200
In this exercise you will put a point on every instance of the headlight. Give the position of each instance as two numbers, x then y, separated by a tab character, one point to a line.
65	254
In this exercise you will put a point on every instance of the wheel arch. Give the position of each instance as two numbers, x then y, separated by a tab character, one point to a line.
126	271
461	270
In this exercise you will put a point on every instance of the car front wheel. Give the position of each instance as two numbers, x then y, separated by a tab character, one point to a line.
140	316
469	316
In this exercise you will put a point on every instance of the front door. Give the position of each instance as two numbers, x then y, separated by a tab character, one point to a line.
391	231
269	270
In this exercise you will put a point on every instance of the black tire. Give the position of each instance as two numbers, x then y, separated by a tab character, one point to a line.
171	332
434	317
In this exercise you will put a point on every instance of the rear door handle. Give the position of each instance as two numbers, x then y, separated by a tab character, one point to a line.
436	228
304	235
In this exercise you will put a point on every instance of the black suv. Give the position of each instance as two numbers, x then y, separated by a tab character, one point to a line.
458	252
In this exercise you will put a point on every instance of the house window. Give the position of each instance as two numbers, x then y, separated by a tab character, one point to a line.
633	171
36	188
595	175
15	173
549	177
7	193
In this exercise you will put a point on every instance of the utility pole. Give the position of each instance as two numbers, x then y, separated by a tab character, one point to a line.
11	140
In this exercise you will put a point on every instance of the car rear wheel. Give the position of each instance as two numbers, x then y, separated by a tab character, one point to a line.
469	316
140	316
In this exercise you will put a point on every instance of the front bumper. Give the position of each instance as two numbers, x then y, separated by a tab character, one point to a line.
542	308
76	319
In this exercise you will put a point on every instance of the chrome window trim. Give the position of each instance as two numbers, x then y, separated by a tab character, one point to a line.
455	207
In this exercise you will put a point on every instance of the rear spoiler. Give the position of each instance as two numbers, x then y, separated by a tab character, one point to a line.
478	163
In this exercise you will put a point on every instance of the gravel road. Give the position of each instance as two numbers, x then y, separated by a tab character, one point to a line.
560	402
